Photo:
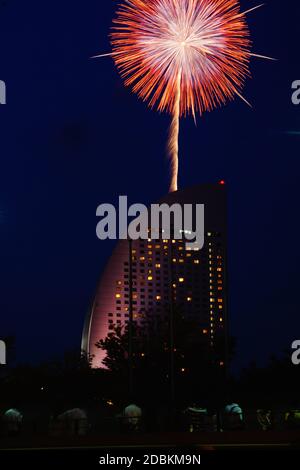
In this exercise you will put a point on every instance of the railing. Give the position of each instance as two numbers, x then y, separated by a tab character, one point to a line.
278	420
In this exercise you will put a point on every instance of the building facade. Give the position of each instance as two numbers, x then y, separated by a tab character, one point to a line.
160	273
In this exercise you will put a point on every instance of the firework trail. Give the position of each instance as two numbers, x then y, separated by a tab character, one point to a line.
182	56
173	143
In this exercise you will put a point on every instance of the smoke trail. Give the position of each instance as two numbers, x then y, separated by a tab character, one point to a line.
173	144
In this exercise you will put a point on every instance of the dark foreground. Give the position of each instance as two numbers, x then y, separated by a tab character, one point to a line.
214	450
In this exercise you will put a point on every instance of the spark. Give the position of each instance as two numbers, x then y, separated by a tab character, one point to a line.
182	56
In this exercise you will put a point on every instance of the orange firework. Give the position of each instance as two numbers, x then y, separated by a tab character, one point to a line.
182	56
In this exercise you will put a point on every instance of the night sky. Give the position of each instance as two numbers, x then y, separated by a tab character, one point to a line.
72	137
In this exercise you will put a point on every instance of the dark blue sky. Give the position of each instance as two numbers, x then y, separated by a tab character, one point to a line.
73	137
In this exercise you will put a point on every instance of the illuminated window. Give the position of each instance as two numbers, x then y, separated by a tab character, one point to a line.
221	320
158	297
189	299
150	253
181	279
196	261
174	285
157	266
119	283
209	234
174	260
118	296
142	258
221	364
205	332
157	247
181	261
219	270
150	278
220	301
188	255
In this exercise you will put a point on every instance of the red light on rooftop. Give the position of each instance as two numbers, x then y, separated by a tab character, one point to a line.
222	182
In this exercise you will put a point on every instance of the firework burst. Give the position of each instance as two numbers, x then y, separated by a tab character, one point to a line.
182	56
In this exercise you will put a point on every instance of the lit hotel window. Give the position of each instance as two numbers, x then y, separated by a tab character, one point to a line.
189	299
205	332
118	296
150	278
157	266
181	279
196	261
158	297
